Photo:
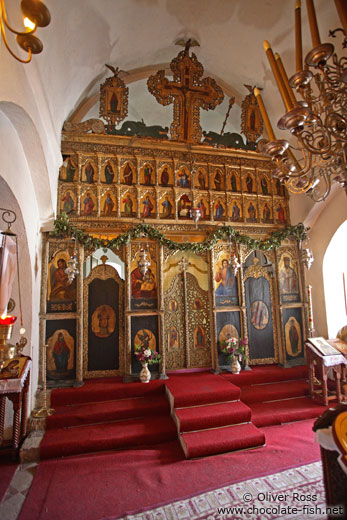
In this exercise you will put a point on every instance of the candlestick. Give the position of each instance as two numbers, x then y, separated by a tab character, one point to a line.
265	117
310	311
298	37
313	23
277	75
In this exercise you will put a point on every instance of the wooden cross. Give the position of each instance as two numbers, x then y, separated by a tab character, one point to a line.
188	93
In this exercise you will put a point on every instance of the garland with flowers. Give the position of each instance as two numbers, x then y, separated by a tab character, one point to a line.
64	228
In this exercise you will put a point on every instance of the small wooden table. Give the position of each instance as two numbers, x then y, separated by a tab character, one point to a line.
14	385
325	363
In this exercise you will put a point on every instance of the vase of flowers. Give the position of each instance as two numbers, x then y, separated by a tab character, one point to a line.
146	356
235	351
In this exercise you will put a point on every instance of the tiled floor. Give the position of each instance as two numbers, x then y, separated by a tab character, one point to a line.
15	496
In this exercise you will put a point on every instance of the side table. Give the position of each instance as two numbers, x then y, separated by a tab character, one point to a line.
14	385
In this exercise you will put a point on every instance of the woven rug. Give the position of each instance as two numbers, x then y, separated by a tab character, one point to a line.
292	494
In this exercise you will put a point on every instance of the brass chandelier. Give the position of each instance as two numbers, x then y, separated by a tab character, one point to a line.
317	121
35	15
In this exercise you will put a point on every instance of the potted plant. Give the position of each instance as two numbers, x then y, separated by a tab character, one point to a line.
235	351
146	356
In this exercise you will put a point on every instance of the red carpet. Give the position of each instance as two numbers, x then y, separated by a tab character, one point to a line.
112	484
7	470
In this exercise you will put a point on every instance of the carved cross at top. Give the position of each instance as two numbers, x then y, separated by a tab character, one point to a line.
183	264
188	92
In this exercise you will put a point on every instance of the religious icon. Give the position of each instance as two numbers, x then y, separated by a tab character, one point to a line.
67	202
167	206
197	304
281	215
259	315
109	204
293	337
128	174
219	210
145	339
202	179
103	321
184	206
113	98
10	369
264	185
252	213
203	209
60	355
70	170
128	205
143	284
226	284
279	187
249	183
148	206
146	175
89	173
288	280
199	337
173	338
227	332
251	120
233	182
59	288
109	173
173	306
266	213
183	179
235	212
88	204
218	180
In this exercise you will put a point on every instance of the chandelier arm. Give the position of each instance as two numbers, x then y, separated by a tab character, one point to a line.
4	17
8	47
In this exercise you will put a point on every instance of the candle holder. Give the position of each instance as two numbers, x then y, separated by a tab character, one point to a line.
7	350
44	411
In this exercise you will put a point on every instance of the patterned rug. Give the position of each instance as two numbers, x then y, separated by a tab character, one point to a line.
292	494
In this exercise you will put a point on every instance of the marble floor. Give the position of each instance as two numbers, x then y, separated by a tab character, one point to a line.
15	496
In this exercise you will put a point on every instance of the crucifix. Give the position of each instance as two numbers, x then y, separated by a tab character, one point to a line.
188	92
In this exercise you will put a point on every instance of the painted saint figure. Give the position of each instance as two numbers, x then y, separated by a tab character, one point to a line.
108	205
249	184
61	354
147	207
68	203
128	206
288	278
219	210
114	103
183	180
109	173
89	171
128	175
218	180
164	178
60	287
226	279
235	215
293	336
167	207
266	213
281	216
252	213
88	205
202	208
70	171
264	186
201	180
147	175
233	182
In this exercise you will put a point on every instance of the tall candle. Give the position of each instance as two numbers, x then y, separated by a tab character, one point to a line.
342	11
310	310
265	117
298	38
280	83
313	23
285	78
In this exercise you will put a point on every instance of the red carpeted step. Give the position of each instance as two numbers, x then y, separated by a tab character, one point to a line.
221	440
266	374
107	436
272	391
289	410
91	413
212	416
102	389
200	388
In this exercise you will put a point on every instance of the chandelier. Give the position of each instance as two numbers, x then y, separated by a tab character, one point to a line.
316	114
35	15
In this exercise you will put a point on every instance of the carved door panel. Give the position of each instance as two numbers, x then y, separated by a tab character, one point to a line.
260	324
103	323
187	327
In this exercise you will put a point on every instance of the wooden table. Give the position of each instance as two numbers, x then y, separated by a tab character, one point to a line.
14	386
325	364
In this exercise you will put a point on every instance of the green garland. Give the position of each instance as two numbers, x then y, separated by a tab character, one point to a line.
63	228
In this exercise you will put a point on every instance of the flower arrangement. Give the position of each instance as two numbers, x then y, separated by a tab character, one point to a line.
146	355
234	347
